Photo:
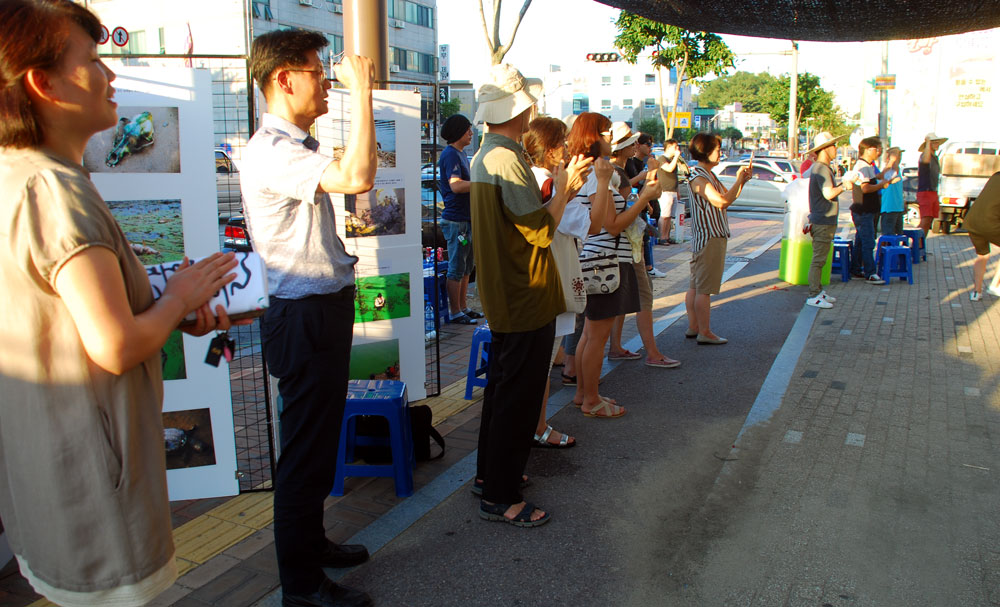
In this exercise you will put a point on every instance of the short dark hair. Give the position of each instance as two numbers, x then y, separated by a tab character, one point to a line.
644	139
33	35
281	48
704	144
869	142
669	142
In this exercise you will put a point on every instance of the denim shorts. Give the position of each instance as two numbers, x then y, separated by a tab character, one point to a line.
460	261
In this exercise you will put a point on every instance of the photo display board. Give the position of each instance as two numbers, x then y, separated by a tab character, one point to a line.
156	170
382	227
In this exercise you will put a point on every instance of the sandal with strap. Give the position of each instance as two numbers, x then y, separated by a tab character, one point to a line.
543	440
605	410
495	512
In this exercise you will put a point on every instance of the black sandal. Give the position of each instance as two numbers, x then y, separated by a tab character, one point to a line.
463	320
495	512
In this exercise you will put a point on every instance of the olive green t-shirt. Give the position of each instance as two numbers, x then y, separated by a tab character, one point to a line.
517	279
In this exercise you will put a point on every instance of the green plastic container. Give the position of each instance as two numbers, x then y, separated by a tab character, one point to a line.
796	255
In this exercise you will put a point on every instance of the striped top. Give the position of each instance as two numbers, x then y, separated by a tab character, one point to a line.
707	221
603	243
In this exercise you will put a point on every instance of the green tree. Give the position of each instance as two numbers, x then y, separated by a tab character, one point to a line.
498	50
731	133
652	127
694	54
449	108
813	101
742	87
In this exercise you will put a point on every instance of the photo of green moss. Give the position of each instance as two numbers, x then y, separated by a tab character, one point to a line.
382	297
377	360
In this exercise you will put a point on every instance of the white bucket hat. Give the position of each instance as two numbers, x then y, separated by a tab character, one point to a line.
507	96
622	136
822	140
932	136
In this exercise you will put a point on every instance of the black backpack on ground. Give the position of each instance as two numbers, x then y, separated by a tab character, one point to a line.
421	426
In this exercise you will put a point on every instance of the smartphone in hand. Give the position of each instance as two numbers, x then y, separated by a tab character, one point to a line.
752	154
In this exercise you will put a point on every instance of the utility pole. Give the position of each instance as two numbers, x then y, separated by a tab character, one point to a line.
793	96
883	112
366	34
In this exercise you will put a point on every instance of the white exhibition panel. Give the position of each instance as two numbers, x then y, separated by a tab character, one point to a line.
190	91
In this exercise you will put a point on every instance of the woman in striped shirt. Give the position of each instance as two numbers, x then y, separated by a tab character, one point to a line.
591	135
710	231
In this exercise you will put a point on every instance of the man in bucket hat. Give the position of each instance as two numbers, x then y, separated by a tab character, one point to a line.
823	212
928	172
519	288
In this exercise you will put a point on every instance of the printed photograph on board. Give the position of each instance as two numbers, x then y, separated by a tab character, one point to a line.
382	297
187	438
155	230
145	140
377	360
385	143
378	212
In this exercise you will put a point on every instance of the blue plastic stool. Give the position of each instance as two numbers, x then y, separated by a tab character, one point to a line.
842	260
479	359
387	399
917	244
896	262
893	240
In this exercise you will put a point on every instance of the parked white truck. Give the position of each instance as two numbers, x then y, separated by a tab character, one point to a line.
965	167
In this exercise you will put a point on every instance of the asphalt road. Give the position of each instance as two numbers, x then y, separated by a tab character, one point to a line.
630	522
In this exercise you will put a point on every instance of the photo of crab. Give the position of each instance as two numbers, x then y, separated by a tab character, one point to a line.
382	297
187	438
145	140
155	230
377	360
378	212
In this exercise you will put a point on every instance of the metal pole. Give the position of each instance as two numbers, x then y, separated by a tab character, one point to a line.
883	112
793	95
366	33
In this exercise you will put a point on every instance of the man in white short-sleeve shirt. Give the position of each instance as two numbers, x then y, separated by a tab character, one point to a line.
308	328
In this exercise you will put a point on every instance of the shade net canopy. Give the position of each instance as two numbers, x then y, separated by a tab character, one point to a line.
821	20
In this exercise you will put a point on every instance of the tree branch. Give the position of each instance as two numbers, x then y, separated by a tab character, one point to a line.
486	31
496	28
513	33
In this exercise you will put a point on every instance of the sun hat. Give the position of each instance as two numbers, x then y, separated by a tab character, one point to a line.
823	140
507	96
454	128
932	137
622	136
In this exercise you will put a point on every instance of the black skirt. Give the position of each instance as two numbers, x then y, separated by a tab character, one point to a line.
624	300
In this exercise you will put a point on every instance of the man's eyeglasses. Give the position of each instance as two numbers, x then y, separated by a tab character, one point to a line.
321	73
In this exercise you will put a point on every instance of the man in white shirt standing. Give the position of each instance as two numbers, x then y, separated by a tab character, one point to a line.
308	328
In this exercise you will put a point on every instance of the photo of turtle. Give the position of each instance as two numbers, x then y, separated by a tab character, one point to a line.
379	212
382	297
376	360
155	230
145	140
187	438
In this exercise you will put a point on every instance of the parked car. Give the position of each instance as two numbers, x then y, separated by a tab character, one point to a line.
783	166
764	192
236	236
227	186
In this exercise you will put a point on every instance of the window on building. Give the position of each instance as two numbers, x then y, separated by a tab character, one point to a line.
627	80
413	61
605	80
136	44
605	105
336	44
649	103
411	12
626	104
650	78
262	10
581	104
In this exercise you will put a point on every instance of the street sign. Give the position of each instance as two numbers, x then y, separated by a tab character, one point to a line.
119	36
444	63
680	120
885	82
105	35
697	122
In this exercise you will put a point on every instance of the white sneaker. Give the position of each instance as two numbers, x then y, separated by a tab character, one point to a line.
819	302
656	273
975	295
995	292
874	279
829	298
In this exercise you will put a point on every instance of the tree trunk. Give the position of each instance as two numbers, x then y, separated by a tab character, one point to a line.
681	69
663	115
498	51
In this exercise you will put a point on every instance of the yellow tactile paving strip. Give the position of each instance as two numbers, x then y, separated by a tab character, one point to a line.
208	535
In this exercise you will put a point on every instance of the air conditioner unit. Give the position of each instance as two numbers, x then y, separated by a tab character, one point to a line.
306	2
397	23
337	8
394	68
